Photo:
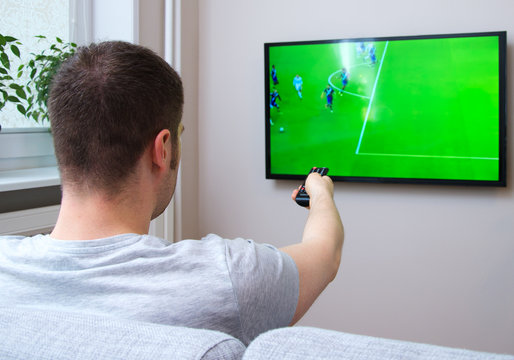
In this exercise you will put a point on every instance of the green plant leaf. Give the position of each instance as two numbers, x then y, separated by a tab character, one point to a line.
10	38
15	86
35	115
3	71
12	99
5	60
21	93
58	40
15	50
21	109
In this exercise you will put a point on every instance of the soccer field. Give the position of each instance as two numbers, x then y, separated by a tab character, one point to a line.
426	109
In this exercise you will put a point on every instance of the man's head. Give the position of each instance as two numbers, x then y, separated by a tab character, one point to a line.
107	104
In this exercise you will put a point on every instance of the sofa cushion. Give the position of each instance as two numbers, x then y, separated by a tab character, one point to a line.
41	334
304	343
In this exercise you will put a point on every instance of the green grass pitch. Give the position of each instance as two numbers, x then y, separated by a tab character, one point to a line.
427	109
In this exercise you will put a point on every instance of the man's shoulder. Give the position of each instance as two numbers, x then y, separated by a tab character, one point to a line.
215	244
238	253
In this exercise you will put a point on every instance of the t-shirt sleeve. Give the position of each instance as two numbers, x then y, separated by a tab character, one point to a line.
266	286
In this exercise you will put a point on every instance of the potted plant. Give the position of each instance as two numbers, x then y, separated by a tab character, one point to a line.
30	92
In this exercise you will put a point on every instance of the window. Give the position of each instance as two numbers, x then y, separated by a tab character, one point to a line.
28	172
29	177
18	20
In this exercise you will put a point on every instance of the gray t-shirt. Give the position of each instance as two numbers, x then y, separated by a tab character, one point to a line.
235	286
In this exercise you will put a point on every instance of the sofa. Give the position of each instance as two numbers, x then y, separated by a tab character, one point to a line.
53	335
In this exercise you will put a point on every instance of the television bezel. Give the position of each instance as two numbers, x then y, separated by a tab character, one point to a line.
502	154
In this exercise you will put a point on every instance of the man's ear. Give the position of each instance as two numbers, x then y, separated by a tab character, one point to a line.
161	151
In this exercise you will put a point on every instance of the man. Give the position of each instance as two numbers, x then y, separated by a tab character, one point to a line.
298	84
371	54
115	111
329	93
274	75
344	79
274	96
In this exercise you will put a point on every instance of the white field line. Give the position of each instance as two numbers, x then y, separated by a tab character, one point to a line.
432	156
371	100
344	91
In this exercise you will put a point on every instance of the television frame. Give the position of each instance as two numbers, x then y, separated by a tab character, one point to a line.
502	151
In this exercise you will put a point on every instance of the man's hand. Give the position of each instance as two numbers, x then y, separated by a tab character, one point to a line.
316	185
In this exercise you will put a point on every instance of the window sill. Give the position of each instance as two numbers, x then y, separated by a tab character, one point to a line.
11	180
29	222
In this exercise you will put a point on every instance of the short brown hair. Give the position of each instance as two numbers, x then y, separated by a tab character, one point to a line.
106	104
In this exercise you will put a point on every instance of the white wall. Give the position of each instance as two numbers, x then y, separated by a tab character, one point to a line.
422	263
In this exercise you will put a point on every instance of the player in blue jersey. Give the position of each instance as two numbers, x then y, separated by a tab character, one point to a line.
273	100
344	75
274	75
298	84
328	92
371	53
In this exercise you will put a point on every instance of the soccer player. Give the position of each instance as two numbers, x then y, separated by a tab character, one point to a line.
372	55
361	48
298	84
274	75
328	92
344	79
273	101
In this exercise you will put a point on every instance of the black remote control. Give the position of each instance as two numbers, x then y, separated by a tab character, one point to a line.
302	198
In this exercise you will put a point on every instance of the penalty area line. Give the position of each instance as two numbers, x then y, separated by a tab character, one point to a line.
431	156
344	91
371	99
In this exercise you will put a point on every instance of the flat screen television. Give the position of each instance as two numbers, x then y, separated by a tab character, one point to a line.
408	109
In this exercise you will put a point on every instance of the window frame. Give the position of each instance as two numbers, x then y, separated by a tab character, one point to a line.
30	208
27	158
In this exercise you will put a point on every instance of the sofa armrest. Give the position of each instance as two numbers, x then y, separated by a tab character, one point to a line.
43	334
305	343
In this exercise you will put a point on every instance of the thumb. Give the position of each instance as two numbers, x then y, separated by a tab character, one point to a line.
295	192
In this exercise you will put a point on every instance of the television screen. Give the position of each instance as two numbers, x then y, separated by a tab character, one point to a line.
410	109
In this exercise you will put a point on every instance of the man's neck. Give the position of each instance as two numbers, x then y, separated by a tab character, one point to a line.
94	216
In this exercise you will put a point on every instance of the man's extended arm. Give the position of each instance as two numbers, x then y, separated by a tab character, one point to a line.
318	256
